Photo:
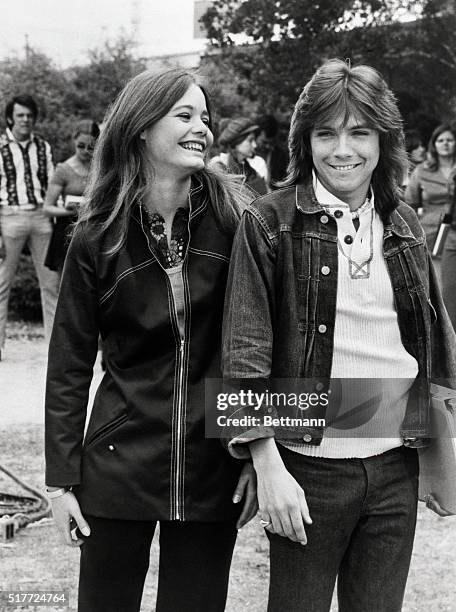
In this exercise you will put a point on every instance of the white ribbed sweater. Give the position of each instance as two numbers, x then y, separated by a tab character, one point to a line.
367	344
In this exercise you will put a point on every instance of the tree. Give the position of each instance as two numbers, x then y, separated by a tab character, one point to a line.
96	85
36	75
63	97
288	39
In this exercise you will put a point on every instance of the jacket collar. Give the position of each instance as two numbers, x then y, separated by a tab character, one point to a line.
305	199
197	201
307	203
396	224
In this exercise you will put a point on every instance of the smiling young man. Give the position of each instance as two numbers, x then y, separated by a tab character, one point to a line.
330	279
25	168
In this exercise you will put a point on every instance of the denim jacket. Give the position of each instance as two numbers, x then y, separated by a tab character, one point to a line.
280	308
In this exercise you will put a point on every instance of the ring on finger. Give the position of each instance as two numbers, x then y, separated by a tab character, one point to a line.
264	523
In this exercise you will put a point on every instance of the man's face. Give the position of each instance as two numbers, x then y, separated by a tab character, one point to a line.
344	158
23	122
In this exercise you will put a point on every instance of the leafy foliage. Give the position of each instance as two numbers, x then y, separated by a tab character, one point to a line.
63	97
288	39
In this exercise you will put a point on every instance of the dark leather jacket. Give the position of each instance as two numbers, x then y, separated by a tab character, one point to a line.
280	324
144	456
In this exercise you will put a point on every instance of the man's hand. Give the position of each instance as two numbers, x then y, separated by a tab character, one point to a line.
246	488
68	516
282	501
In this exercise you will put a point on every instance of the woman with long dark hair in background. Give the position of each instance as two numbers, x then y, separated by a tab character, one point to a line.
428	190
431	192
69	182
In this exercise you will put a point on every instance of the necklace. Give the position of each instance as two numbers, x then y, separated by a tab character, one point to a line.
360	270
174	253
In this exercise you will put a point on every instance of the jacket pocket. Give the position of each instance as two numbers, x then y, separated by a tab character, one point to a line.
105	430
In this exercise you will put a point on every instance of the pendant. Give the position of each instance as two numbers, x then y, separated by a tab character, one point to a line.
359	271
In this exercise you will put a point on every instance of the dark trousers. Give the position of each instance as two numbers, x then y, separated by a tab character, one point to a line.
194	567
364	516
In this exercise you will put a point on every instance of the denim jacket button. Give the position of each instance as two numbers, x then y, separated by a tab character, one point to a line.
325	270
322	329
324	219
338	214
111	447
307	438
348	239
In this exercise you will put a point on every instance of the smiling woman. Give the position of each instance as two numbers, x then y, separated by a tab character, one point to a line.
147	270
177	143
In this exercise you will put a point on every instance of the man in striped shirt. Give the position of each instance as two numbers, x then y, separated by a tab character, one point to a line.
26	165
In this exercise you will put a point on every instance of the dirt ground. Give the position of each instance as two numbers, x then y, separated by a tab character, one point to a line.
36	559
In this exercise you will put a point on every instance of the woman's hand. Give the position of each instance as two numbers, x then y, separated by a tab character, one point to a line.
434	505
246	488
67	516
282	501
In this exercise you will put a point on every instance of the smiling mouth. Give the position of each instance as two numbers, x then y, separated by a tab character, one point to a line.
345	167
192	146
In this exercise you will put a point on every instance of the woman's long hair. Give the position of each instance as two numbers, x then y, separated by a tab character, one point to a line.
432	162
337	90
118	177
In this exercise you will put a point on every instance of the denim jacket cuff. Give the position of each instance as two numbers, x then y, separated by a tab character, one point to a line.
238	447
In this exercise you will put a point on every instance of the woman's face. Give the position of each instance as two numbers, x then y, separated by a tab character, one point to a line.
177	142
84	145
246	149
445	144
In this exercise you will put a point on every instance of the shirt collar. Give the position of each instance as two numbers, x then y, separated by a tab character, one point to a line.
11	137
329	200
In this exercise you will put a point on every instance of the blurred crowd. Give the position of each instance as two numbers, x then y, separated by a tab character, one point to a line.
39	201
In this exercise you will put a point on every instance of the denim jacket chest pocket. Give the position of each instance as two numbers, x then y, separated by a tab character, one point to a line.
408	268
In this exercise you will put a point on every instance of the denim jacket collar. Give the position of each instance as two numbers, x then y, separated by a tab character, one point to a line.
307	203
396	224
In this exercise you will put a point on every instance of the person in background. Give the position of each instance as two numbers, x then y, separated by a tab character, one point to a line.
26	166
416	150
146	269
430	185
270	148
416	153
69	182
238	139
330	281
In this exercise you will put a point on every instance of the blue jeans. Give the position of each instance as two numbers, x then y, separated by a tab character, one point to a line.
364	516
30	227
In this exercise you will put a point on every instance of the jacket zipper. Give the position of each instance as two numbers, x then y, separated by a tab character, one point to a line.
178	482
178	417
